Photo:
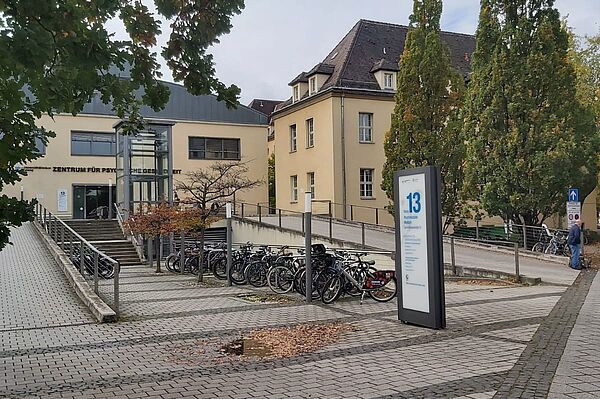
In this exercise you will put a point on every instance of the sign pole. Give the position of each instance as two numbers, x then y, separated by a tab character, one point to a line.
307	244
228	214
419	250
110	203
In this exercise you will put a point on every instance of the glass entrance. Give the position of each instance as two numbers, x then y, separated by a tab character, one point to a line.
92	202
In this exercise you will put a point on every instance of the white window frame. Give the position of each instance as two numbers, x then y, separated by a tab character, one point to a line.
293	138
294	188
310	183
365	188
387	75
310	132
312	85
365	132
296	93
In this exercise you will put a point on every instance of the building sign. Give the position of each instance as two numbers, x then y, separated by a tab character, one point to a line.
62	200
419	256
413	249
93	169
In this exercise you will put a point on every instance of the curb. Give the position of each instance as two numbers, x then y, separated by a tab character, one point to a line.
100	310
462	271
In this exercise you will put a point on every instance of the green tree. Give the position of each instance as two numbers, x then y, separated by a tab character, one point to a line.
55	55
271	173
529	137
426	121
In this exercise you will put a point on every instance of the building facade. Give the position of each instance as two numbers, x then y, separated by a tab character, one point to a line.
330	133
73	175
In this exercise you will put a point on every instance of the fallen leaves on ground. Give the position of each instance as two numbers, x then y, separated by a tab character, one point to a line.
483	281
266	298
291	341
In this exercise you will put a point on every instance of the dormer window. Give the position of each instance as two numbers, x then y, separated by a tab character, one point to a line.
296	95
312	85
388	80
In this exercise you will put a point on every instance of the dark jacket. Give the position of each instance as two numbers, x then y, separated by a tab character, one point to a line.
574	237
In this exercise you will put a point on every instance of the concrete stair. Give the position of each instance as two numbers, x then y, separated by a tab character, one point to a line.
106	235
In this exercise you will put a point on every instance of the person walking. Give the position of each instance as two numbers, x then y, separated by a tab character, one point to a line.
574	242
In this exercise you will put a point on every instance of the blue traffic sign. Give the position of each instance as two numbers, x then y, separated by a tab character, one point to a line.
574	194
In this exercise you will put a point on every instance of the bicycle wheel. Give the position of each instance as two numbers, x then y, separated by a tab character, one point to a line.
280	279
220	268
236	274
256	274
332	289
538	247
551	249
385	293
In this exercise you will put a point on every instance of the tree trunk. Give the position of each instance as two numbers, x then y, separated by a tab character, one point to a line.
201	256
157	252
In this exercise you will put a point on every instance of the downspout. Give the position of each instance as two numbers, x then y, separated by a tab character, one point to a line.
343	135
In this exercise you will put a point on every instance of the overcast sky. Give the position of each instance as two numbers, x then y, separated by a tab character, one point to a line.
274	40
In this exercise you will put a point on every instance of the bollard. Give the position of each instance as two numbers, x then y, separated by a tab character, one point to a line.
351	212
517	271
330	227
259	213
377	216
362	233
96	272
182	253
452	256
279	216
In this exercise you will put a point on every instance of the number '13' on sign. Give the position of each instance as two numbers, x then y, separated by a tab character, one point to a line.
414	202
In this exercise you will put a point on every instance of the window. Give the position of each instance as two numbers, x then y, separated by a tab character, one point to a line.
294	188
296	96
365	127
388	80
40	146
213	148
312	85
366	183
310	133
293	138
310	183
92	143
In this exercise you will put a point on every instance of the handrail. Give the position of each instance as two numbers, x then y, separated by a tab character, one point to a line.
137	241
57	233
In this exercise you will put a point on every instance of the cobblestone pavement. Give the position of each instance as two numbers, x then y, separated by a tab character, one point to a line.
50	347
578	373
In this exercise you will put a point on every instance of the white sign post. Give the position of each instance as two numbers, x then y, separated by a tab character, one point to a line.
419	257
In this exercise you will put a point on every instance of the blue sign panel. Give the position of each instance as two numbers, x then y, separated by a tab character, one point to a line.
574	195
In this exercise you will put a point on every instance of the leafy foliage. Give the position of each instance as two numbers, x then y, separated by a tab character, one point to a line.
426	121
271	170
206	188
56	55
530	138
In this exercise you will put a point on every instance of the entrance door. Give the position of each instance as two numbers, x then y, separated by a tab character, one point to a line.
89	200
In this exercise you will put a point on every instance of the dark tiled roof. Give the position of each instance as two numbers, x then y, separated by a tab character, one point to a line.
371	46
300	78
265	106
325	69
385	65
184	106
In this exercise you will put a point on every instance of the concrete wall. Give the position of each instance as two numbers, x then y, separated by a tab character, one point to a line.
244	231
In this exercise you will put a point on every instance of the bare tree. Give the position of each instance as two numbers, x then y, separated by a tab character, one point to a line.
206	188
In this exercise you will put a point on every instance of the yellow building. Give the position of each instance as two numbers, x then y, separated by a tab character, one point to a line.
72	176
329	135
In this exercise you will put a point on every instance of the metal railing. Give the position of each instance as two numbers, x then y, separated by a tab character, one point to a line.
136	239
100	271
